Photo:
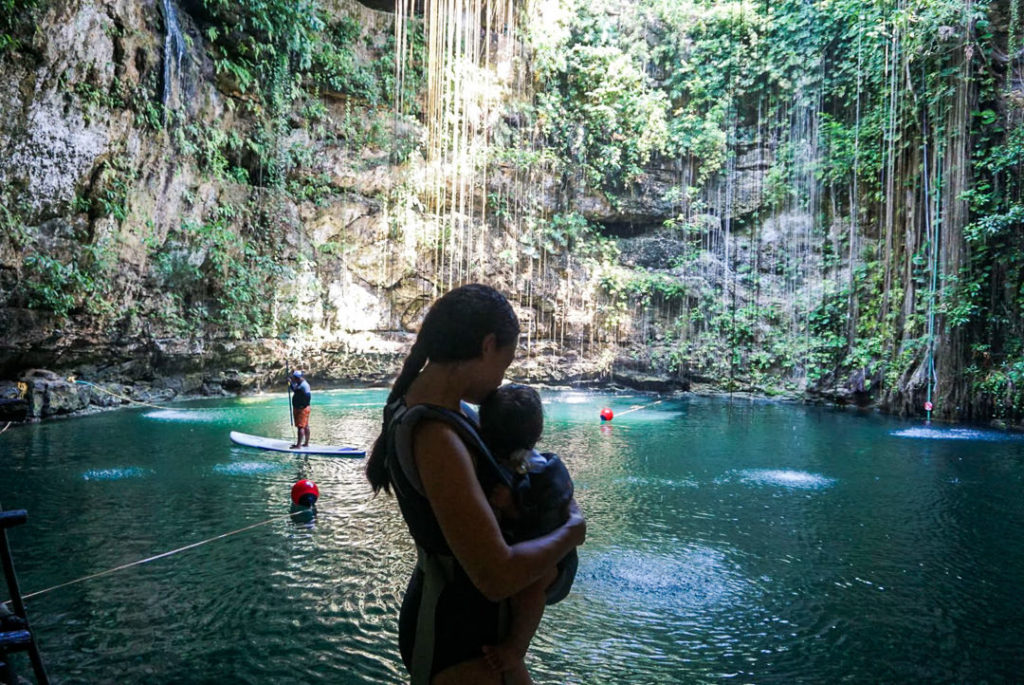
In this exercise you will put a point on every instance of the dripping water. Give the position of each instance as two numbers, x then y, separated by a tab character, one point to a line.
174	54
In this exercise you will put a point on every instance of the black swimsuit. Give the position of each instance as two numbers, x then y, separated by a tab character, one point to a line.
444	619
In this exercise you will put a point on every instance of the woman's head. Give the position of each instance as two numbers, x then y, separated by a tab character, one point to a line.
511	418
457	324
470	323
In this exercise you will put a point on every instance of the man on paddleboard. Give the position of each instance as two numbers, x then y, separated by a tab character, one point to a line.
301	398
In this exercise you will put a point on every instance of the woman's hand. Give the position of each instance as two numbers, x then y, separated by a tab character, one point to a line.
469	524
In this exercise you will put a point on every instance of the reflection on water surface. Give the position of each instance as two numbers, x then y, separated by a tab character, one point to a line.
746	542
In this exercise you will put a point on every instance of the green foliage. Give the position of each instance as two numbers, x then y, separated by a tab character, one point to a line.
882	82
110	193
1001	384
139	97
217	151
599	109
827	324
342	63
273	49
282	58
12	226
315	188
569	235
53	285
645	287
260	32
66	286
987	295
214	276
17	23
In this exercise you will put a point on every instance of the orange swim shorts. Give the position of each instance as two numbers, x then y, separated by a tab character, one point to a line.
302	417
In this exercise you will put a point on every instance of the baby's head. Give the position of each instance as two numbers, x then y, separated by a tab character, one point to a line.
511	418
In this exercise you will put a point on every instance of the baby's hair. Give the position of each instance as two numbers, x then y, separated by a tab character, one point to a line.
511	418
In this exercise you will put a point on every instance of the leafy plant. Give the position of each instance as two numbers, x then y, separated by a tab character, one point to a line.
209	267
17	23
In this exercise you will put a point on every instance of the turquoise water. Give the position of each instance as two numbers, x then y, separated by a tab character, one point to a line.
728	541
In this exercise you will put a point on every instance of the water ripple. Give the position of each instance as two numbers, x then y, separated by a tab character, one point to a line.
787	478
696	576
658	482
184	415
116	473
245	468
928	433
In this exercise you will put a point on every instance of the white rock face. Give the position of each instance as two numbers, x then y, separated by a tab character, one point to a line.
56	144
55	155
356	308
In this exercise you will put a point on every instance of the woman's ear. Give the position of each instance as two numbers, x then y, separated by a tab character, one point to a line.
489	344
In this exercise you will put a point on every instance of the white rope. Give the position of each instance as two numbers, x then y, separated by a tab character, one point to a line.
122	397
641	407
157	556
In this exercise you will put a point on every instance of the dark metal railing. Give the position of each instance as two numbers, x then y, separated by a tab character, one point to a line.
15	633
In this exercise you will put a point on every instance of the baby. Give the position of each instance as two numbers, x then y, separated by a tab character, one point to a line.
511	422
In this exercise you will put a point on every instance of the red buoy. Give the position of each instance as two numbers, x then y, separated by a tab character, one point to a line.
607	414
305	493
927	406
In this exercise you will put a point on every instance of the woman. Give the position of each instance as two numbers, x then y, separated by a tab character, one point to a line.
430	455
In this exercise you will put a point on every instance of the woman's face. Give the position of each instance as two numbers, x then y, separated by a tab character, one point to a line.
491	366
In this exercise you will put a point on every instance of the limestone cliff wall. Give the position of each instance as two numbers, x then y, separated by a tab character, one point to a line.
98	178
162	234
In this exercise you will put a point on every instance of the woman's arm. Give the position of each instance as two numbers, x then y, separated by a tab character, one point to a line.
449	480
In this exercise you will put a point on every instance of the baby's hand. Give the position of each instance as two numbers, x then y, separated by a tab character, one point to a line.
502	503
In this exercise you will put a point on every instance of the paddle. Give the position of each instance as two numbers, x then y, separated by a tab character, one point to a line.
291	412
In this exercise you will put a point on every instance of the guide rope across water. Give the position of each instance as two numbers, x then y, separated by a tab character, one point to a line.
168	553
645	406
120	397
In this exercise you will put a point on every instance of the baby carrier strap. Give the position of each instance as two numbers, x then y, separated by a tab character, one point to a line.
489	472
438	570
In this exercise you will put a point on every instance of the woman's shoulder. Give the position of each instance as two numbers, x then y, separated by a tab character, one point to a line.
425	412
436	424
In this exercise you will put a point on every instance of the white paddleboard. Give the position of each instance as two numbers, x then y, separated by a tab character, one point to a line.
263	443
